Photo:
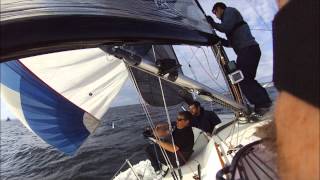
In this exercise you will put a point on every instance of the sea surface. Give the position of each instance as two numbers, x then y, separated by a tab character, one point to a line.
25	156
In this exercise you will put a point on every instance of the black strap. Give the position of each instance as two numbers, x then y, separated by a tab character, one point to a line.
236	26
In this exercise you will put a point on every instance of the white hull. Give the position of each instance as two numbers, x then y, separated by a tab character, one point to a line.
206	152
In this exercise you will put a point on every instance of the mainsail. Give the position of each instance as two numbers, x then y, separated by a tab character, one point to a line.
56	25
62	96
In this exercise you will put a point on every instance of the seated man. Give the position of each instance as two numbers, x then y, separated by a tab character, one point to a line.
203	119
183	143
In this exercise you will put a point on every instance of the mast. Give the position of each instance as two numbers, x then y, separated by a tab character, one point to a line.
228	69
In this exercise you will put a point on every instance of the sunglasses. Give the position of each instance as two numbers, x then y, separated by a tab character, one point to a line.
180	119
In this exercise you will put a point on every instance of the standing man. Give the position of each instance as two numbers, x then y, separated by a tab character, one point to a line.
203	119
247	50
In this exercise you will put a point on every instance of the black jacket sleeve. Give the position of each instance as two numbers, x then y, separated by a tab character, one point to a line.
214	119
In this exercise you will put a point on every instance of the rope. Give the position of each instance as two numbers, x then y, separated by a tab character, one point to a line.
169	122
260	29
125	162
209	75
170	129
151	124
207	60
167	113
215	77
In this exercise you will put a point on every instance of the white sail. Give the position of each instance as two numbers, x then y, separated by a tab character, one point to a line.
89	78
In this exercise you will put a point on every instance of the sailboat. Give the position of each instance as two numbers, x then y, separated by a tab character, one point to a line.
61	72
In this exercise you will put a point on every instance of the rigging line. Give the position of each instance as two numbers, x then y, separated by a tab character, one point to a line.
258	29
222	141
193	55
214	78
167	113
163	152
245	132
219	57
242	134
208	52
192	171
209	75
231	134
210	70
238	126
125	162
207	60
144	172
151	123
171	128
190	67
143	104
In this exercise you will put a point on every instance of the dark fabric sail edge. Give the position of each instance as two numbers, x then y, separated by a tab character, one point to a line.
32	28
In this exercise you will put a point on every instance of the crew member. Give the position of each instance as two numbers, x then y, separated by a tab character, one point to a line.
183	143
203	119
248	53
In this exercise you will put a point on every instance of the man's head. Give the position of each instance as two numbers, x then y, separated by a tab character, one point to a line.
218	9
183	119
195	108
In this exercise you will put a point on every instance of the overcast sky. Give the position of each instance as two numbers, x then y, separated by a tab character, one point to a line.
258	14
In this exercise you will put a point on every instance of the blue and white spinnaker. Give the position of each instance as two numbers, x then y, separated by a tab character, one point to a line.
61	96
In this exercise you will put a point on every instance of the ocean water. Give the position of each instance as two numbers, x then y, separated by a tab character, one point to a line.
25	156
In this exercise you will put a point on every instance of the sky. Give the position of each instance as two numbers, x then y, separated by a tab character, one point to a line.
258	14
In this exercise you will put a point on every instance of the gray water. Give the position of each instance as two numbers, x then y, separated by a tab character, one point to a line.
26	156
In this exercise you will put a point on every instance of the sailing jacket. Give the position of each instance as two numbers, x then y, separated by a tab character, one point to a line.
235	28
206	121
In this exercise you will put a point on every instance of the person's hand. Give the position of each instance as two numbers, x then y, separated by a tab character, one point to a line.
152	139
224	42
147	133
162	125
